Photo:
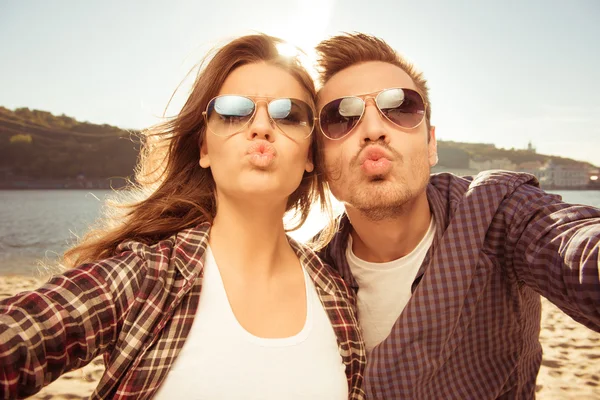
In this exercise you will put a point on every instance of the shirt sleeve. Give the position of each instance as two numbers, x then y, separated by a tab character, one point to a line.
64	324
554	248
354	342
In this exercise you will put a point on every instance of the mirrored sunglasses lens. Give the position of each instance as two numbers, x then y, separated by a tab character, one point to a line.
227	115
294	117
280	108
340	116
404	107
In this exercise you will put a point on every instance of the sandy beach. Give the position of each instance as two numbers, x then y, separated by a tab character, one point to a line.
570	369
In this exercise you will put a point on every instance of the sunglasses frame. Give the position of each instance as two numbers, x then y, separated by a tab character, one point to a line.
261	99
364	98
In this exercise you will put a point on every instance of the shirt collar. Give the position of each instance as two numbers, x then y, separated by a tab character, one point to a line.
338	245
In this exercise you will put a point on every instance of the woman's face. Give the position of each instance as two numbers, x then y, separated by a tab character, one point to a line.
263	157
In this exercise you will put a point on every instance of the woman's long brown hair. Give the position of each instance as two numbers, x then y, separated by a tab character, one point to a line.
171	191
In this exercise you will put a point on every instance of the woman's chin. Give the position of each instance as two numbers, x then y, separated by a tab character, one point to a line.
262	183
270	187
261	191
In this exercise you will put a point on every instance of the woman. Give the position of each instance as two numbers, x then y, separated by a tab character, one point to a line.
197	292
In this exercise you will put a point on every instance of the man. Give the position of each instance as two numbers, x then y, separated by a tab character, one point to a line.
449	270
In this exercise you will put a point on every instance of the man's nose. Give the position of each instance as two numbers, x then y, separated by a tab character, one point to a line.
373	127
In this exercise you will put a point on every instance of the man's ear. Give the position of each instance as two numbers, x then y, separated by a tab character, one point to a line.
432	145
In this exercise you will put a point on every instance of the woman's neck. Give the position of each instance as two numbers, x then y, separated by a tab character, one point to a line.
250	236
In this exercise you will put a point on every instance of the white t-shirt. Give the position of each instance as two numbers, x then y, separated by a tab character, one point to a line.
385	288
221	360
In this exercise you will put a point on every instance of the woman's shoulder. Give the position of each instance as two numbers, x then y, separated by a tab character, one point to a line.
322	273
135	260
181	251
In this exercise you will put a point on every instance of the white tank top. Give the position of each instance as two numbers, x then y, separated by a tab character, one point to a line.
385	288
221	360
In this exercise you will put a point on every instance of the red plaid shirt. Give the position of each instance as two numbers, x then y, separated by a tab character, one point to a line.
137	309
471	328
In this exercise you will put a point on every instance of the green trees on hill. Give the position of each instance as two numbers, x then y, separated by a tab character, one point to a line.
38	145
457	154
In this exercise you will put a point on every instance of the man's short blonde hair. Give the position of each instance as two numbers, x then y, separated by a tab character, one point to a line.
340	52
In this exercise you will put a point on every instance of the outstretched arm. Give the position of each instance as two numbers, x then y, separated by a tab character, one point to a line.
555	249
64	324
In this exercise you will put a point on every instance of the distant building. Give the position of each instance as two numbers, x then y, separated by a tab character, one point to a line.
594	178
558	174
531	167
554	175
456	171
479	164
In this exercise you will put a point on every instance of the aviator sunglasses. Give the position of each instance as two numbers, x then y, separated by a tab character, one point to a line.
402	107
229	114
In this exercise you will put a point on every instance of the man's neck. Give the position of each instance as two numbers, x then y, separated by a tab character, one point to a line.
390	238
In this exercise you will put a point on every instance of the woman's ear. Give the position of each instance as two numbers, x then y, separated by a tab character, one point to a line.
204	159
310	165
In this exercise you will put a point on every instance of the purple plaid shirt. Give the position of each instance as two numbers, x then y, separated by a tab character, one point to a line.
471	328
137	309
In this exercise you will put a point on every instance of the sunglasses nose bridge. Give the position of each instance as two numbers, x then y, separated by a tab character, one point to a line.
258	107
372	98
370	101
372	120
261	121
370	104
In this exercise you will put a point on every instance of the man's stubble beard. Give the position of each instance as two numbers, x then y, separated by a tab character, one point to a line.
378	199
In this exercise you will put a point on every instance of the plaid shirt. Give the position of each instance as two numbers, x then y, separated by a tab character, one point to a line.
471	328
137	309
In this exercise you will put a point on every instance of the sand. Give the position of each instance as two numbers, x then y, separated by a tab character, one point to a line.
570	368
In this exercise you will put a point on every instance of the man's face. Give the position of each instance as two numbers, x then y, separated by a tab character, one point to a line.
379	167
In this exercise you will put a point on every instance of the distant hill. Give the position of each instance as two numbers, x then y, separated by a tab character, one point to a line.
36	146
457	155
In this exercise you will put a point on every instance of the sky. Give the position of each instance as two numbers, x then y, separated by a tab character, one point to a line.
505	72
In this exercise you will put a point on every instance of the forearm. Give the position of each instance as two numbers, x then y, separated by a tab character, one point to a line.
59	327
558	255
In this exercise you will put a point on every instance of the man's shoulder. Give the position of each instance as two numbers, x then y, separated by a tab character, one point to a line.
449	182
485	191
